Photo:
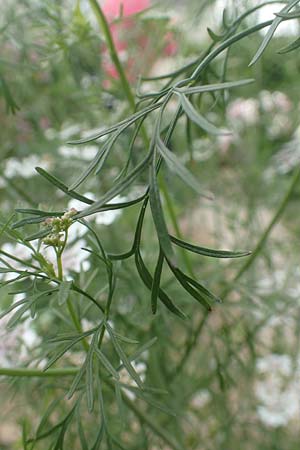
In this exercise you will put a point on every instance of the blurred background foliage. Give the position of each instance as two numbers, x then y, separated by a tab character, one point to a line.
232	379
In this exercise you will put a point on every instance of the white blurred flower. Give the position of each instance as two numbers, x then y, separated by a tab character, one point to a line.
266	100
288	28
225	141
243	111
200	399
269	284
74	258
94	132
69	130
271	101
276	364
86	152
282	102
281	126
17	250
277	390
108	217
76	230
86	324
16	344
25	167
50	134
289	155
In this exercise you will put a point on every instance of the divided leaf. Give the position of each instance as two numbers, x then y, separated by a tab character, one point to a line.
276	22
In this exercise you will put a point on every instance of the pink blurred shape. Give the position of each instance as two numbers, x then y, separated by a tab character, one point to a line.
136	49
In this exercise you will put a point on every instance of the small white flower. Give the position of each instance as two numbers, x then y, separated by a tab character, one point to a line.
243	111
108	217
69	130
86	152
86	324
200	399
94	132
50	134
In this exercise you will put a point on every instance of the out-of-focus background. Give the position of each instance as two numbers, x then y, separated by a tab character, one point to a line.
239	385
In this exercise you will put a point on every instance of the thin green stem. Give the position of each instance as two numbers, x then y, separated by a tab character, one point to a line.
14	258
59	266
31	373
59	253
192	340
112	50
60	276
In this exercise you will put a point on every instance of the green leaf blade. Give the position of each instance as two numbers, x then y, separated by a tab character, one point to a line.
199	120
208	251
158	214
177	167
